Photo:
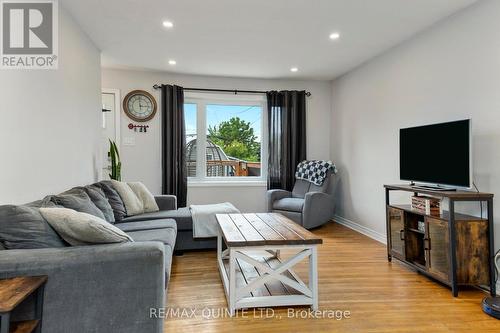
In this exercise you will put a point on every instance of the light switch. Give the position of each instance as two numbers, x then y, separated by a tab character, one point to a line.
129	141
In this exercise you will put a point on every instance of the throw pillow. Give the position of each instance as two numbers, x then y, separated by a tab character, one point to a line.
132	203
23	227
99	199
114	199
78	200
148	200
81	228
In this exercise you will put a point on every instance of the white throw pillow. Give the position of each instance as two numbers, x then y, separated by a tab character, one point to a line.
148	200
133	204
81	228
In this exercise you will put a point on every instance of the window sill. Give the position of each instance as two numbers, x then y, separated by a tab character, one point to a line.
227	183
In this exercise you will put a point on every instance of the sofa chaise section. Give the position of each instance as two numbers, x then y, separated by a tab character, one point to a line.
183	219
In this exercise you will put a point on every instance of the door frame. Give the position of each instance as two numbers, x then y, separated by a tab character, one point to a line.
118	111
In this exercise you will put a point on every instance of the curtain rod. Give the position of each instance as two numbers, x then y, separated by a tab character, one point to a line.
158	86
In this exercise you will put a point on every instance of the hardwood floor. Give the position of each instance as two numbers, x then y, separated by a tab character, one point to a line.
354	276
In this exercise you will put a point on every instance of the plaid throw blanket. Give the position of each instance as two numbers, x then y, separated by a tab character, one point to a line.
314	171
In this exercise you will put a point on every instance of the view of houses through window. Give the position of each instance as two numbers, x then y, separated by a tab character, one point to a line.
230	136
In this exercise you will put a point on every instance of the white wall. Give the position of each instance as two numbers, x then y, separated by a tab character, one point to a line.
49	127
449	72
143	161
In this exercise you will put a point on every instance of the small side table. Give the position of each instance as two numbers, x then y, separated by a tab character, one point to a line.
12	293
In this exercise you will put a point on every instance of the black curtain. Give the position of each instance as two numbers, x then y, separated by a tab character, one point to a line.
174	169
287	136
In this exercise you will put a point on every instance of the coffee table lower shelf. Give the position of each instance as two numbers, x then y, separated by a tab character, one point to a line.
260	280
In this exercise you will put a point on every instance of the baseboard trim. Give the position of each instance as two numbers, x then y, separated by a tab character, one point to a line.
361	229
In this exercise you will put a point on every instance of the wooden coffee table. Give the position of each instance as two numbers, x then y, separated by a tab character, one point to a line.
251	270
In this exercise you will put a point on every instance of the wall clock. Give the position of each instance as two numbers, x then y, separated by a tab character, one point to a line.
139	105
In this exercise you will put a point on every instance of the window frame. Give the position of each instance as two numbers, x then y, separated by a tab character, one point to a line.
202	100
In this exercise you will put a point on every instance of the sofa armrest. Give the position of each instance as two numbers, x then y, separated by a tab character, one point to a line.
101	288
273	195
166	202
318	209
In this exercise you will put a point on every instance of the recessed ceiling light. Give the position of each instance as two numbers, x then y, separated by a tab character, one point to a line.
294	69
172	62
334	35
168	24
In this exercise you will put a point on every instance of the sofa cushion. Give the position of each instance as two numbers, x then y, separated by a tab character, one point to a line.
289	204
78	200
114	199
164	235
133	204
182	216
148	200
147	225
81	228
164	231
96	194
23	227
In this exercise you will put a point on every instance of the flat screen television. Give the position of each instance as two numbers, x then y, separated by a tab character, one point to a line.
436	154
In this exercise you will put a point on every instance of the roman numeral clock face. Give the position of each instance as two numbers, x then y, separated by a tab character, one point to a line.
139	105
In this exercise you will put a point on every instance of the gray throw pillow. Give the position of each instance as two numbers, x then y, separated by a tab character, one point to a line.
114	200
23	227
99	199
81	228
78	200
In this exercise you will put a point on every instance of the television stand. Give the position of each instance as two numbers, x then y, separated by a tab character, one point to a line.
455	249
431	188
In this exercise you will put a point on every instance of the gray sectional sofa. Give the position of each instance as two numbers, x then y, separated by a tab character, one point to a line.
102	288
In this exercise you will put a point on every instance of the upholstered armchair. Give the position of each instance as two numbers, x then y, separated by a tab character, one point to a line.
308	204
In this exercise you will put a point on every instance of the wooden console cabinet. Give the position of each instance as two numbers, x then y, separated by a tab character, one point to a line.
455	249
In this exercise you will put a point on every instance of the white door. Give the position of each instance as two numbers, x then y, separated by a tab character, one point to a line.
110	126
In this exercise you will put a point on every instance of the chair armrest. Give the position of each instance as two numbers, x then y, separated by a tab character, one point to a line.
166	202
318	209
273	195
99	288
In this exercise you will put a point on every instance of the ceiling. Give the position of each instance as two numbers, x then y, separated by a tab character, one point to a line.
253	38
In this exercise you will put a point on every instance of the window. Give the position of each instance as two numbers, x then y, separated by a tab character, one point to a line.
224	137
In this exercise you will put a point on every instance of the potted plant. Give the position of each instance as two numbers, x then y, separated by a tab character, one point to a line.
116	164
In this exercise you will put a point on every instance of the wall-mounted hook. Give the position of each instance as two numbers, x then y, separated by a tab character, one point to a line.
142	128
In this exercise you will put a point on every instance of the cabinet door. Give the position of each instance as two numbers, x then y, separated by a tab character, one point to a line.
437	242
396	224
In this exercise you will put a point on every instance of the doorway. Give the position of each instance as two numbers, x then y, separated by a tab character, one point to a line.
110	126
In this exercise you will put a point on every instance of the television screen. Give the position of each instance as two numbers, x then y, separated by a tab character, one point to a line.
437	154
